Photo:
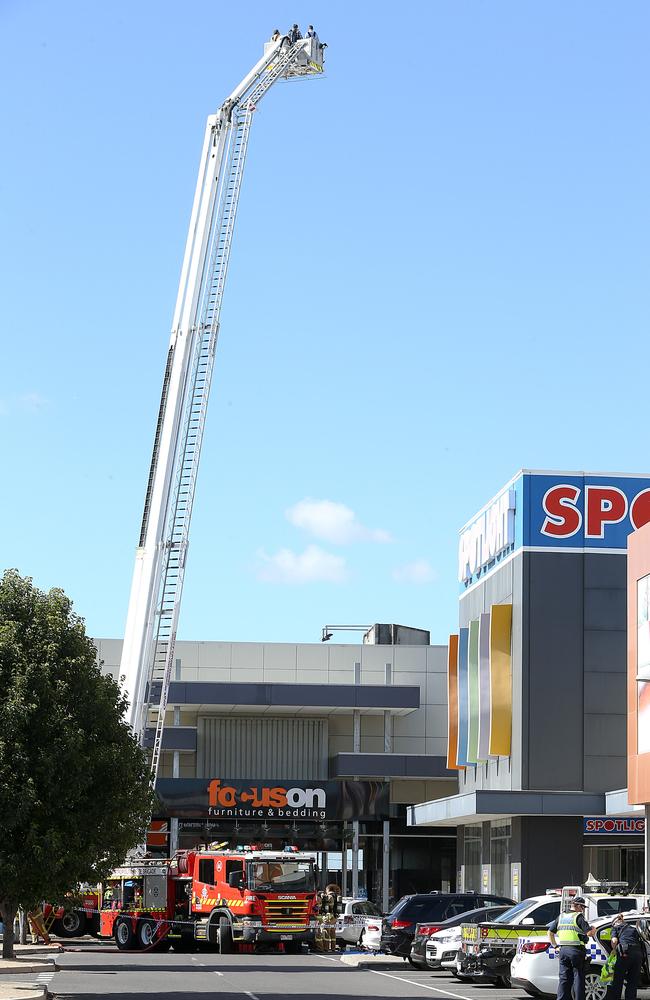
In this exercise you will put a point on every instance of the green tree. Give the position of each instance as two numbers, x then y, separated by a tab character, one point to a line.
74	784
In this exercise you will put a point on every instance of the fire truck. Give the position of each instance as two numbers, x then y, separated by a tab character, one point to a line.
224	898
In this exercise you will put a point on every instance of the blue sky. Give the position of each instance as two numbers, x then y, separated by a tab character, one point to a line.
439	275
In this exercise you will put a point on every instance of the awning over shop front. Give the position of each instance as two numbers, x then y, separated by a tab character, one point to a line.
474	807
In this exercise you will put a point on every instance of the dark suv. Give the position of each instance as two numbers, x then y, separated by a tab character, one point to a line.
399	926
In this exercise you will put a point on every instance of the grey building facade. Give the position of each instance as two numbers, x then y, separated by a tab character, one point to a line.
523	819
364	725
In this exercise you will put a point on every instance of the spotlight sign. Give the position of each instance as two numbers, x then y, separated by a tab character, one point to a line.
592	512
574	511
611	826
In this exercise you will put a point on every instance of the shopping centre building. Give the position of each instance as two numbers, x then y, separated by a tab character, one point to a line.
538	687
497	763
320	745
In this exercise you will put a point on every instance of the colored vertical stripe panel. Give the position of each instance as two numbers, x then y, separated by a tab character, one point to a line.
472	672
501	680
452	703
484	687
463	696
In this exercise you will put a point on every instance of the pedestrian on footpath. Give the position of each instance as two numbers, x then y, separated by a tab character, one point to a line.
570	932
627	943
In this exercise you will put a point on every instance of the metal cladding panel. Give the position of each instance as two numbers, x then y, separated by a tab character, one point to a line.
501	679
262	748
474	692
463	696
452	702
485	702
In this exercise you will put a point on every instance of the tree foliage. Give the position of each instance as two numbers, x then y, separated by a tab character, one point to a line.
74	784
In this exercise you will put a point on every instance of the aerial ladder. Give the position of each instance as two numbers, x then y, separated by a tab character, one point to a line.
161	555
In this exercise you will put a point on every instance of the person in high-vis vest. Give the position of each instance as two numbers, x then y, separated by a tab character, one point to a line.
630	952
570	932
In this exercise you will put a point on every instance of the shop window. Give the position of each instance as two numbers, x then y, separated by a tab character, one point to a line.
500	832
472	856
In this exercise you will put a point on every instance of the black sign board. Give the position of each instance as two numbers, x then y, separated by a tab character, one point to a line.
218	798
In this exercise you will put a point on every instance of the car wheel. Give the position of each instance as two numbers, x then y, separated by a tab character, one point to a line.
594	988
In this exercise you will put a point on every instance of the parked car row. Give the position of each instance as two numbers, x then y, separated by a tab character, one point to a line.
490	939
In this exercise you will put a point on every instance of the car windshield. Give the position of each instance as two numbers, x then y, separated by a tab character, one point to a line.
281	876
513	912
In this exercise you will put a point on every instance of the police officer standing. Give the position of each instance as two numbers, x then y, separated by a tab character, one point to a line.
629	959
570	932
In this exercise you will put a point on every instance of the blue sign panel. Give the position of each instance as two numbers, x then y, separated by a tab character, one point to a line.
584	511
555	511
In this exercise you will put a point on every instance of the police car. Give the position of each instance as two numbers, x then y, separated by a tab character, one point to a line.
487	950
535	967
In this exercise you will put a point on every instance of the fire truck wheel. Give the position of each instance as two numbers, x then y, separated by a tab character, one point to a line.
123	933
225	936
72	924
145	933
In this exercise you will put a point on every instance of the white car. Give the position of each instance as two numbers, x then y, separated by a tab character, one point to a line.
351	923
443	946
535	967
370	937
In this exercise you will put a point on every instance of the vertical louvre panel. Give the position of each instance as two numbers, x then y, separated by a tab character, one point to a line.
262	748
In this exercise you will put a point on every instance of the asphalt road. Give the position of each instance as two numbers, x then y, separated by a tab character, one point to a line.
92	972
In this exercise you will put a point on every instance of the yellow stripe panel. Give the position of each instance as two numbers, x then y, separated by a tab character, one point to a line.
501	680
452	702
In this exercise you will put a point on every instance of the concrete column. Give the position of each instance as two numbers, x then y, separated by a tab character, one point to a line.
385	872
173	836
176	773
356	747
344	863
385	869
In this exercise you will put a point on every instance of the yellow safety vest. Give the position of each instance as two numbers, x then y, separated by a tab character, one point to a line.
567	931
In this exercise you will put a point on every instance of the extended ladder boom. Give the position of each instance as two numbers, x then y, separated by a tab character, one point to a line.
156	590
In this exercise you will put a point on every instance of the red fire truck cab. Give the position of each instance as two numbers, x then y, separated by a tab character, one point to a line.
226	898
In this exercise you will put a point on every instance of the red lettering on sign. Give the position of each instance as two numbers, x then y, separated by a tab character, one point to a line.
563	518
603	505
640	509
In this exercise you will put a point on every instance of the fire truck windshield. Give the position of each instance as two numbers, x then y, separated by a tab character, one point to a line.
281	876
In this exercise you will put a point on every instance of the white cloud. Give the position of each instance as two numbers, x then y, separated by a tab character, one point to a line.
420	571
32	401
314	565
25	402
332	522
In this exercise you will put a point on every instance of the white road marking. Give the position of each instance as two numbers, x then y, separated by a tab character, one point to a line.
251	995
411	982
217	973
